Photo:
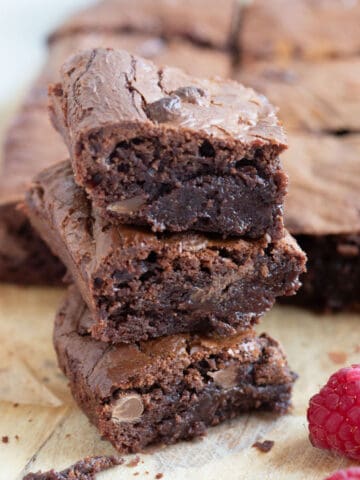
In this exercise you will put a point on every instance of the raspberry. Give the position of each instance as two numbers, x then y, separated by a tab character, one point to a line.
334	414
349	474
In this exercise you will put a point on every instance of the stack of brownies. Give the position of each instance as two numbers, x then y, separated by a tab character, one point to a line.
168	217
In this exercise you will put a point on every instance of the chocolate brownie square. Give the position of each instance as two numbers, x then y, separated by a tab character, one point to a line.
309	29
169	389
140	285
321	97
322	211
155	146
203	22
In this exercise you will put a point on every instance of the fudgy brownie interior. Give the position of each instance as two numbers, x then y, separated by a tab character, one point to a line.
332	281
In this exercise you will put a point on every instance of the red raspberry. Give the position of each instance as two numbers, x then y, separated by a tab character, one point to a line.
334	414
349	474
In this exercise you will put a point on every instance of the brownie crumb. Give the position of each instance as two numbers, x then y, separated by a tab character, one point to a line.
15	405
264	446
82	470
5	439
17	437
337	357
134	462
159	475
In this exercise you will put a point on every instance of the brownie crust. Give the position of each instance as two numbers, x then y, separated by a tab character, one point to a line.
140	285
169	150
169	389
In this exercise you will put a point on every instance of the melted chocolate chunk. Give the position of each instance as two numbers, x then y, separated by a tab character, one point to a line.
165	109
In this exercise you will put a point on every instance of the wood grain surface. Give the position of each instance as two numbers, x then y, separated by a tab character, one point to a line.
46	430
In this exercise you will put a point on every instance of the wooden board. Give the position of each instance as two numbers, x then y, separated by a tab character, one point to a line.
46	429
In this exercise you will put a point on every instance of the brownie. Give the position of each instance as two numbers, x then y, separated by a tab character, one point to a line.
24	257
321	97
83	469
159	147
169	389
332	283
322	210
30	145
201	22
310	29
139	285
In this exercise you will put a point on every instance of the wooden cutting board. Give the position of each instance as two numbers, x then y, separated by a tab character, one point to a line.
46	430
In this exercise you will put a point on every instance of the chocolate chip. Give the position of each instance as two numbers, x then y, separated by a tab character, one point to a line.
225	378
127	206
165	110
207	150
190	94
128	408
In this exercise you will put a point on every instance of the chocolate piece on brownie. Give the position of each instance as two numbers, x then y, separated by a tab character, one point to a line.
157	146
169	389
322	210
310	29
140	285
201	22
311	96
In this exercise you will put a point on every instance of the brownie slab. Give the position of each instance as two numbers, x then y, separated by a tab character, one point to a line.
24	257
30	145
309	29
202	22
140	285
320	97
159	147
322	211
169	389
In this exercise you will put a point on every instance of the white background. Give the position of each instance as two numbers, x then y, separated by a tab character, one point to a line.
24	25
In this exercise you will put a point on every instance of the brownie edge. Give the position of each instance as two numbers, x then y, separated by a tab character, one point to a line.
169	389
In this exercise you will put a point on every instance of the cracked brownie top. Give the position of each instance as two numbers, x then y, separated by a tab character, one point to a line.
104	89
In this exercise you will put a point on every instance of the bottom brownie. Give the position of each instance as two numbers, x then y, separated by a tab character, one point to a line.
24	257
169	389
332	281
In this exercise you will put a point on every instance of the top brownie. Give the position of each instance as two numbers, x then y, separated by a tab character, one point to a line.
155	146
